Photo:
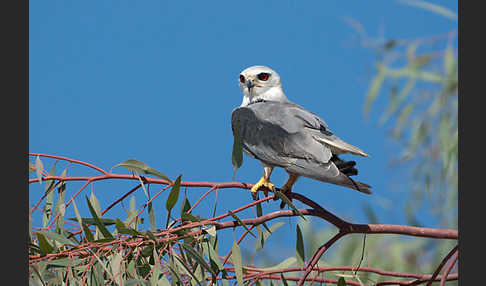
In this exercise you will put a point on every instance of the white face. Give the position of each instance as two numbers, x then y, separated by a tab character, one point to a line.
255	81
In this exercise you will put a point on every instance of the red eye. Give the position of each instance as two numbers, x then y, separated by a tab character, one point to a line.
242	79
263	76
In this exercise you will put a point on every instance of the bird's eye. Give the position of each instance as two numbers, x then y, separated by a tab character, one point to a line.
263	76
242	78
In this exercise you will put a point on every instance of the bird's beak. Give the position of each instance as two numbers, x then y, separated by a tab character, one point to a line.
249	85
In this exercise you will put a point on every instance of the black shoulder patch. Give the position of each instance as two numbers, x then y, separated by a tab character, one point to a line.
326	131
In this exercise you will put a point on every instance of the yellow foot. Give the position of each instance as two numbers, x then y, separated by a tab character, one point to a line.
263	182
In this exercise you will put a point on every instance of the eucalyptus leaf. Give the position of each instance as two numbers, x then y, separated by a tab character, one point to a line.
123	229
374	88
150	210
106	233
92	221
44	245
39	167
289	203
286	263
140	167
300	253
174	194
194	255
56	236
237	154
241	222
435	8
261	241
213	256
237	262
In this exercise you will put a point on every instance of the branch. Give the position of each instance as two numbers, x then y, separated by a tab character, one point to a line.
195	229
437	271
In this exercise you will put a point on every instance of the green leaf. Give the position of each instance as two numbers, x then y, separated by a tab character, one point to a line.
150	210
300	254
174	194
289	203
97	208
199	274
259	214
87	233
116	262
211	230
98	223
122	229
288	262
91	221
44	245
136	282
213	257
341	282
266	235
56	236
187	269
374	88
61	204
143	185
396	101
194	255
163	281
49	197
39	167
186	206
174	272
402	119
151	236
237	262
437	9
132	212
237	155
449	63
63	262
241	223
190	217
141	167
147	250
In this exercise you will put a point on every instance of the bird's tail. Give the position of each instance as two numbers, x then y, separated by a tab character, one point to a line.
336	172
346	181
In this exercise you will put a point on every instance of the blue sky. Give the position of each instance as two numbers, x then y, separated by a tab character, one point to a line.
157	81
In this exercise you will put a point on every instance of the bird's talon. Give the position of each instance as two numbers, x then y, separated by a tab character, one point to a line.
263	184
254	195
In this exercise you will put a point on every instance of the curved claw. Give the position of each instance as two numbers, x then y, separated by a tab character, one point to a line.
263	182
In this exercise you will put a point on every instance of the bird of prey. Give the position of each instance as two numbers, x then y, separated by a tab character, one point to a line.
280	133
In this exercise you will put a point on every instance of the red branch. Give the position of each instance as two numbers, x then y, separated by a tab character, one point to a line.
437	271
196	229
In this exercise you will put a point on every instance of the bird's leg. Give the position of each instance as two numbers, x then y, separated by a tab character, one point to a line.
263	182
287	187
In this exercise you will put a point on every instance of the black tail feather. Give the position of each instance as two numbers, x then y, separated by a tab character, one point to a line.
345	167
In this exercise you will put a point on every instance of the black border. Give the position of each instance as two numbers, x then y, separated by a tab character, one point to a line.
471	120
14	118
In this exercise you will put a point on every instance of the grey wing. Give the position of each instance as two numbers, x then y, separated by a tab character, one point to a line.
286	135
320	132
271	133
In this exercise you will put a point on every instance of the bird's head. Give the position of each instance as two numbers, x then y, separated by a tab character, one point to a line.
260	82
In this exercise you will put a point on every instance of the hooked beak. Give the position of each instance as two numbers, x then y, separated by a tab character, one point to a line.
249	85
